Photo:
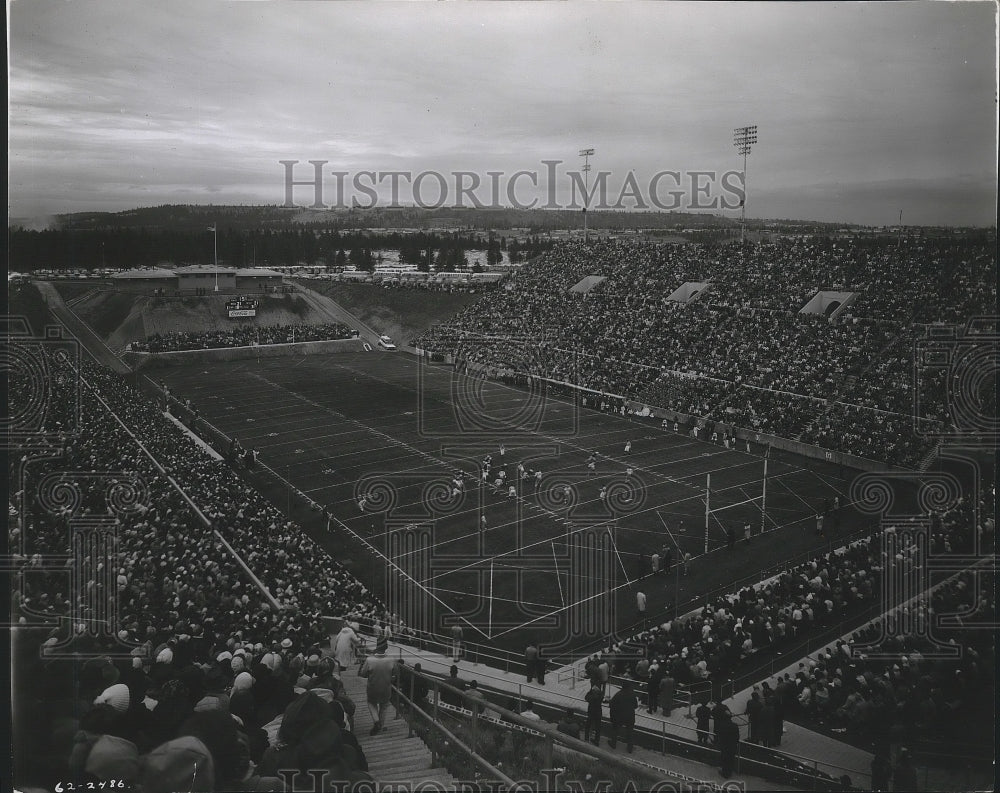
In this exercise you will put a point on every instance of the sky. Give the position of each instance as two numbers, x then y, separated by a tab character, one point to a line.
863	110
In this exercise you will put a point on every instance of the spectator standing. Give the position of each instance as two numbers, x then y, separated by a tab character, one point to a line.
530	661
345	647
767	720
755	717
380	670
703	715
904	775
667	689
622	715
595	701
728	741
456	642
653	688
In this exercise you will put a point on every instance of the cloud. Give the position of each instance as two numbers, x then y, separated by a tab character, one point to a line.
142	97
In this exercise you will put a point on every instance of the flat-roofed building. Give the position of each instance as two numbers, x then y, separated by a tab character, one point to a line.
146	279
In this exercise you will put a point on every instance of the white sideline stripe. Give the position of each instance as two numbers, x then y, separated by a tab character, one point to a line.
198	441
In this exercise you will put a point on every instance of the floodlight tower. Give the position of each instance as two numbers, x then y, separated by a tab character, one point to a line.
743	139
586	154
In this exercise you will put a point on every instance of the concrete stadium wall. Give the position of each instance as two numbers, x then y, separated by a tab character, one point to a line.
140	360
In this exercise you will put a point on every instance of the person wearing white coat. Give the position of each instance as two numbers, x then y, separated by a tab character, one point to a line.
345	648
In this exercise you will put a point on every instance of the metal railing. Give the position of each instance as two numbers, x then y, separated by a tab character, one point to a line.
478	715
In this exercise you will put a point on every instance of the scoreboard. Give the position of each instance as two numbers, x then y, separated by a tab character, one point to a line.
242	307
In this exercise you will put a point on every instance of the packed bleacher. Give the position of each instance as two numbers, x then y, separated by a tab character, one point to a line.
840	688
242	336
200	641
742	352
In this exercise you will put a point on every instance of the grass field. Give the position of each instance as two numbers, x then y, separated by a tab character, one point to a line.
557	562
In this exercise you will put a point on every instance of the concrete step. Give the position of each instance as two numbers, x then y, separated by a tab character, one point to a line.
391	754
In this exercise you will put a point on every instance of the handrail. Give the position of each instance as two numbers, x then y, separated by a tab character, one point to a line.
553	737
810	764
481	761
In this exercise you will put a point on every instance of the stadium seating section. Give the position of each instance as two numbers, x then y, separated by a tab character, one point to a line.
741	353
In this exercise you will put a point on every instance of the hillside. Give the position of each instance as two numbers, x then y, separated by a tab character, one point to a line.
402	314
122	317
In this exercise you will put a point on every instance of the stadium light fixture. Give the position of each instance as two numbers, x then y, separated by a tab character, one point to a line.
743	140
586	154
214	228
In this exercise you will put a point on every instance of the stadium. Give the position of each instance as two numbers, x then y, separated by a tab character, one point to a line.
595	481
569	491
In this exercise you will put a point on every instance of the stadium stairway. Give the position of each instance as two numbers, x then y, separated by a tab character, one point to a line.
553	695
81	330
391	755
334	312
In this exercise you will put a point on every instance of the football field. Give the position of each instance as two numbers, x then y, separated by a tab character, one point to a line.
392	446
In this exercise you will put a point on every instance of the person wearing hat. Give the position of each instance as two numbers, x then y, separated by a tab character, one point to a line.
112	757
241	699
181	764
380	670
230	750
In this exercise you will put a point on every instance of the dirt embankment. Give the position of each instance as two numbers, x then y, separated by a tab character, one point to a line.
402	314
122	317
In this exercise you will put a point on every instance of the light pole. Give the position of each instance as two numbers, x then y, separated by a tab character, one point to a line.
214	228
743	139
586	154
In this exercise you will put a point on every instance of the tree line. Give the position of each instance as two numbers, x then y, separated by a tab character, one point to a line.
73	249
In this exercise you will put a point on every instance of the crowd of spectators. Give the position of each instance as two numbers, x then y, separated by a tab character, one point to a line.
741	352
241	336
720	640
846	687
926	683
195	623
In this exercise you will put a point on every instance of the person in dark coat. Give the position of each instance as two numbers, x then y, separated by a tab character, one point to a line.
904	775
881	771
530	662
667	688
595	701
414	685
755	716
569	724
653	689
230	751
622	715
719	714
727	741
767	721
540	663
703	716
